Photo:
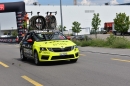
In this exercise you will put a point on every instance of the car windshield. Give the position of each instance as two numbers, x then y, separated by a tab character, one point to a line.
50	36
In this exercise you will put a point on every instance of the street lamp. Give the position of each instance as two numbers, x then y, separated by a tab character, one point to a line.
61	16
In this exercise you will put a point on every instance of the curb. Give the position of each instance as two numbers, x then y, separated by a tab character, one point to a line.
106	53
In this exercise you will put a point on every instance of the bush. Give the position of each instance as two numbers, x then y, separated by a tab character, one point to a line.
112	42
85	43
110	39
5	33
77	42
93	42
120	43
14	33
117	42
98	43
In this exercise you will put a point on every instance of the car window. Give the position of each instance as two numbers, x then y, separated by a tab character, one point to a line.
58	36
49	36
40	37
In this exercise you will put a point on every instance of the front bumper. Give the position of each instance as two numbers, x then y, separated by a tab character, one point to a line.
58	56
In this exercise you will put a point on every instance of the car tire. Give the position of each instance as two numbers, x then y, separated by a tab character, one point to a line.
22	57
73	60
36	59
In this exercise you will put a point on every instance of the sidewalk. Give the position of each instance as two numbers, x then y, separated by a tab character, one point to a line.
111	51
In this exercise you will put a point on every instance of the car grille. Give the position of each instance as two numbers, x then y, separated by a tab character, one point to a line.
62	57
62	49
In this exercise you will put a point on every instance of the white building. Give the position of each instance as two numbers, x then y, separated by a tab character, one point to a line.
81	14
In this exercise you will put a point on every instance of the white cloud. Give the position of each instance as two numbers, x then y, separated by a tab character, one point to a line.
30	1
113	2
85	2
126	1
97	2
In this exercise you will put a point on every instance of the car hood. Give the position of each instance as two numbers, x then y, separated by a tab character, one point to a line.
55	43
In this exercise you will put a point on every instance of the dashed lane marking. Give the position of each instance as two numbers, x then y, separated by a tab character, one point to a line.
120	60
82	54
31	81
1	63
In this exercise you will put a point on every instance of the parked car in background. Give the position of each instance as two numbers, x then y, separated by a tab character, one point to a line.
79	37
104	31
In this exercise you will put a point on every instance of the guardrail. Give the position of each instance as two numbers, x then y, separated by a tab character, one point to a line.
8	39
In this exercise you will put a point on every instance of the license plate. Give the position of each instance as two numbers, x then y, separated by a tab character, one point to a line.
63	54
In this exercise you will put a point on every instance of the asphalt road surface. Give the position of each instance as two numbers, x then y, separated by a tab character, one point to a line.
92	69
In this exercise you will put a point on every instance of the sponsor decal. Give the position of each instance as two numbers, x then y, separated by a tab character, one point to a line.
57	44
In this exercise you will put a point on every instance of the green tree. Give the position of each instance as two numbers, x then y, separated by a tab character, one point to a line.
60	28
76	27
14	33
95	23
121	23
25	24
5	33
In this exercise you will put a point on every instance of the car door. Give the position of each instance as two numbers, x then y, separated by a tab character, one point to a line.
30	45
26	45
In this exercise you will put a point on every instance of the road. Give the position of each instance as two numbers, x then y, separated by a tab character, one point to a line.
92	69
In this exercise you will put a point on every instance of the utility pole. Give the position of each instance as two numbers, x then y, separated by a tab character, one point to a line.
75	2
61	16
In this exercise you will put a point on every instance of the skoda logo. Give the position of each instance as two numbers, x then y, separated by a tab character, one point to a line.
62	48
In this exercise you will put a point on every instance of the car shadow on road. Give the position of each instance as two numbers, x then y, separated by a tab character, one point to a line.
54	63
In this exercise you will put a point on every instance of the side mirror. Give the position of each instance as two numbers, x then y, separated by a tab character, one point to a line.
30	40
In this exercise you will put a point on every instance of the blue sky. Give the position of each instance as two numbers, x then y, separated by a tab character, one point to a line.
56	2
67	2
4	17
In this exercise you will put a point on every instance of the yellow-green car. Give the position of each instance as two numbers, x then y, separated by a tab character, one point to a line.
48	46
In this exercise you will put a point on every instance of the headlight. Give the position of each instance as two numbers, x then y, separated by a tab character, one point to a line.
72	47
75	46
43	49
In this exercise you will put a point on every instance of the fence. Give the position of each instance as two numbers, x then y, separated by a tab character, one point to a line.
8	40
